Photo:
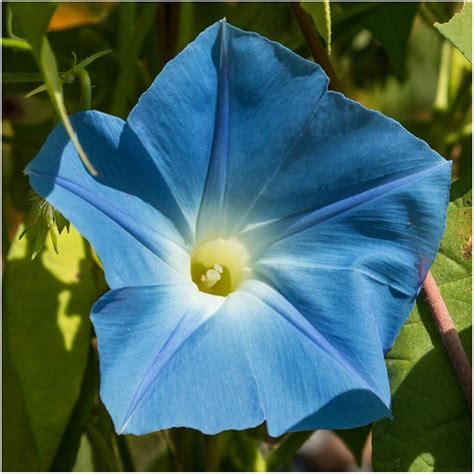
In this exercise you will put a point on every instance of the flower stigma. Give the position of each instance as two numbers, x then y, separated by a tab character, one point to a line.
220	266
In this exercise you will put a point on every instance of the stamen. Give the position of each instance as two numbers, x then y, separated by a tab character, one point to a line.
221	278
212	275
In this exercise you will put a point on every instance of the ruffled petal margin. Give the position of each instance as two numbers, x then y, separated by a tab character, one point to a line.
171	356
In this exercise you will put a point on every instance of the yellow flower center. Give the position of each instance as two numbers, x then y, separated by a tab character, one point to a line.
219	266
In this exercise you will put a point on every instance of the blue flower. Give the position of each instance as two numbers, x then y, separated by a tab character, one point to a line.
264	240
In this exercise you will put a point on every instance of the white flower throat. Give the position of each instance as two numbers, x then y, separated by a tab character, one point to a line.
220	266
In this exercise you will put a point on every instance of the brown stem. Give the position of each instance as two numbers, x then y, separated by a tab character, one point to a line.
449	336
314	44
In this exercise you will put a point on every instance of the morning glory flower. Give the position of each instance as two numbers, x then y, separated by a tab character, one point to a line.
264	240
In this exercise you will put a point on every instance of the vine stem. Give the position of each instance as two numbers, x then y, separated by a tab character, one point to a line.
449	335
314	44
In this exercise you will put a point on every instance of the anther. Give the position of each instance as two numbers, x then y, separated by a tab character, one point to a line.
212	275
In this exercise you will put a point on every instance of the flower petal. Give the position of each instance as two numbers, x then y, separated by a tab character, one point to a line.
167	360
175	117
274	96
388	243
345	151
307	380
119	210
232	105
188	362
212	205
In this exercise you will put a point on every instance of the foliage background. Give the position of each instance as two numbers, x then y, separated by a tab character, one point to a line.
390	57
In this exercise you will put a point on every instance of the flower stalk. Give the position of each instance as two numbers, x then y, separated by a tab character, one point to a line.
449	335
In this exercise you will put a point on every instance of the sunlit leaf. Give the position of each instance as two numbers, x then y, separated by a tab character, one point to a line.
46	307
458	30
321	14
84	461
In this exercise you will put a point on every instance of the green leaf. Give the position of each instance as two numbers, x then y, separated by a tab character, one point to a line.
321	14
458	30
18	444
48	66
391	27
461	193
350	17
46	307
355	439
84	460
431	425
32	20
67	453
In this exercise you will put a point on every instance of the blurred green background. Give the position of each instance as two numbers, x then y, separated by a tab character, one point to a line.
389	56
